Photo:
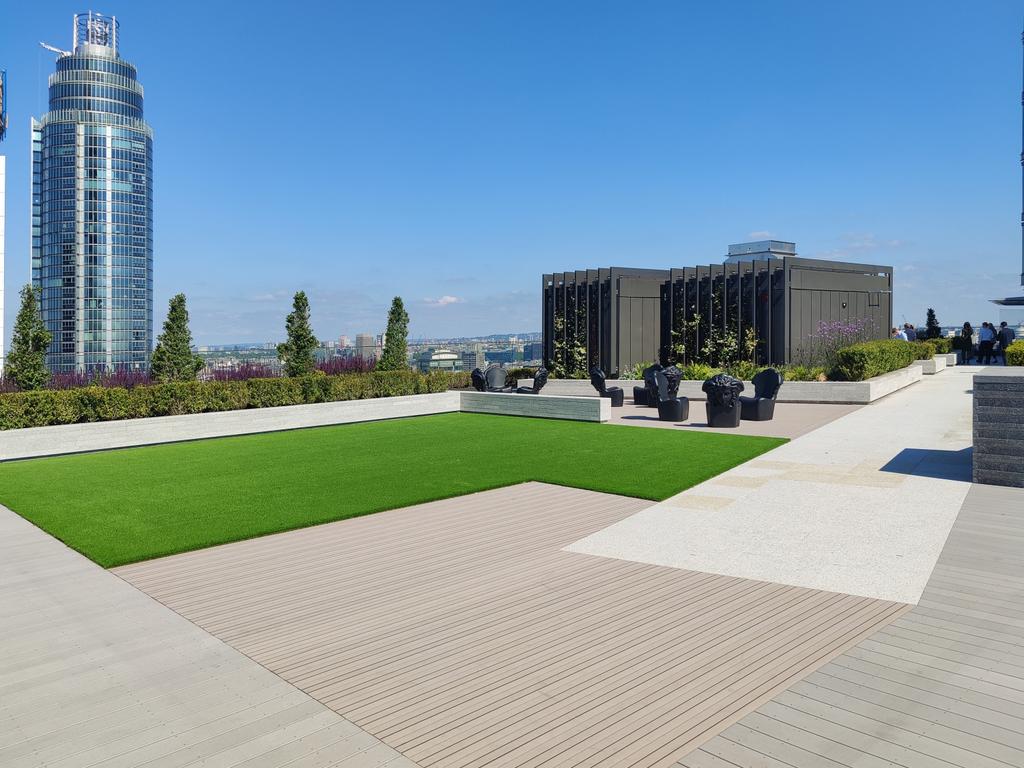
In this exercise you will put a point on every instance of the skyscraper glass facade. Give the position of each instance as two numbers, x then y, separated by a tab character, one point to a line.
92	207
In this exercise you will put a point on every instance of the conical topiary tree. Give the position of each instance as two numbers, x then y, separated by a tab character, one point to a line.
931	324
173	359
297	352
26	362
396	339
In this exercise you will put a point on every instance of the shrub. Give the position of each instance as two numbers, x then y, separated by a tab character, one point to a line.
925	349
45	407
805	373
744	370
698	371
514	374
636	371
1015	353
873	358
943	344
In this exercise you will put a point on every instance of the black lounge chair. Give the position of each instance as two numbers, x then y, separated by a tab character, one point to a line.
648	393
615	394
761	407
540	378
497	379
478	379
723	404
671	407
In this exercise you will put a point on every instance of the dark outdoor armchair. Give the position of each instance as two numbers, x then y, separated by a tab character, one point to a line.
670	406
478	379
496	379
540	378
615	394
648	393
761	407
723	404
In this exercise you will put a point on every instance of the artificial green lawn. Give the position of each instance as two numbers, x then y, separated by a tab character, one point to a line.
121	506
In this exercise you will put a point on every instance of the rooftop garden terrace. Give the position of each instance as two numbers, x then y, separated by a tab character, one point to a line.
127	505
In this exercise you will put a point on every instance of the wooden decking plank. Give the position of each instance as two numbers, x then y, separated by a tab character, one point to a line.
944	683
987	735
461	633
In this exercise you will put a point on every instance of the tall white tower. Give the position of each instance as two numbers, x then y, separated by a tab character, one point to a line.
3	205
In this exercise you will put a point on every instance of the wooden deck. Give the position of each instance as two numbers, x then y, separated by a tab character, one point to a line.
941	686
460	634
95	673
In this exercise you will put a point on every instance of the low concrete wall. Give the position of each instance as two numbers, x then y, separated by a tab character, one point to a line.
838	392
538	406
581	387
999	426
950	359
103	435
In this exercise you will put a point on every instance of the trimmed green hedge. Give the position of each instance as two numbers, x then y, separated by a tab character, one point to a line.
1015	353
873	358
46	407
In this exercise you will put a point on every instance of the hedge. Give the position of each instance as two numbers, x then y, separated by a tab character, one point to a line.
46	407
1015	353
873	358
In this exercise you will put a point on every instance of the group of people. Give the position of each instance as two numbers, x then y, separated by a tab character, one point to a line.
906	333
992	343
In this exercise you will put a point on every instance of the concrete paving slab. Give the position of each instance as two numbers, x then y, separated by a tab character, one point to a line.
861	505
791	419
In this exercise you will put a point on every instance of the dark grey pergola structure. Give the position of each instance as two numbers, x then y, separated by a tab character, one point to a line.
619	316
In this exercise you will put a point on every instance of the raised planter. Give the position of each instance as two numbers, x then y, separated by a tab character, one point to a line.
932	366
950	359
838	392
998	454
104	435
126	433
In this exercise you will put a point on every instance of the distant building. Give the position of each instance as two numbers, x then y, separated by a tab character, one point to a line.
366	347
439	360
534	350
92	207
344	341
500	356
473	358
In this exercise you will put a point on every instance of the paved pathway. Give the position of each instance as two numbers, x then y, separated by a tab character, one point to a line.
860	506
461	634
941	686
791	419
95	673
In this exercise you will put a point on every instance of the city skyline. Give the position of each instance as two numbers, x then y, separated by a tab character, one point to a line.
453	172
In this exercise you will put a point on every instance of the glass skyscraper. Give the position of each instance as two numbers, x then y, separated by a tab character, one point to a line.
92	207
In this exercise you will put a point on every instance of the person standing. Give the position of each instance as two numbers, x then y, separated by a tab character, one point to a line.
909	332
1006	337
986	342
967	344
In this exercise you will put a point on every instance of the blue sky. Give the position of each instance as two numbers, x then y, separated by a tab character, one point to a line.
451	152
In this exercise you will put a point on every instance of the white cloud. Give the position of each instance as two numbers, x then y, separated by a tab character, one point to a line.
861	244
761	234
444	301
